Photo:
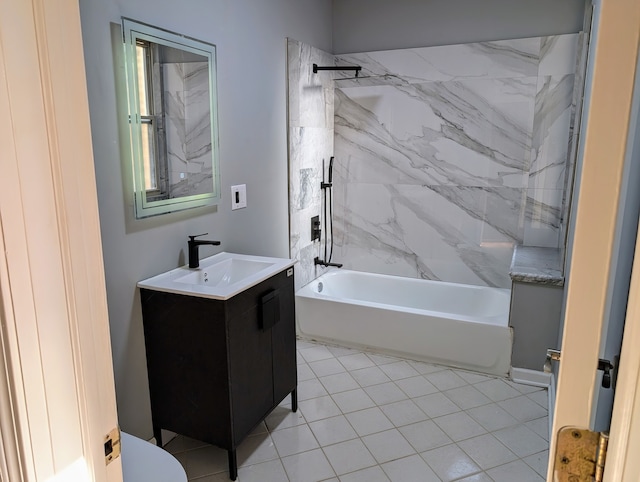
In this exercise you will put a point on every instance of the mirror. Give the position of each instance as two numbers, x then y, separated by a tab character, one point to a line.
171	90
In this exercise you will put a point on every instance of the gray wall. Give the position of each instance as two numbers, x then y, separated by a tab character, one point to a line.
535	315
251	48
367	25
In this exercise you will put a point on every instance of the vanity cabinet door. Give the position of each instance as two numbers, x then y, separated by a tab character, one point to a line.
262	353
187	365
283	339
250	371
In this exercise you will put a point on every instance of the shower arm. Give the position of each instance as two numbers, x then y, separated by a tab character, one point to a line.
356	68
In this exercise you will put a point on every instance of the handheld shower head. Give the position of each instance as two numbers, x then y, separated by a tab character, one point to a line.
330	170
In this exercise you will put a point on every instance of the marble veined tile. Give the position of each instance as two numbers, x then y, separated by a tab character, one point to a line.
446	157
175	128
311	138
369	81
498	59
543	217
551	132
308	147
197	107
558	54
187	128
578	93
452	234
471	133
489	117
310	95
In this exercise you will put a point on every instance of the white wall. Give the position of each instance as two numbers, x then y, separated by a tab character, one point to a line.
251	49
367	25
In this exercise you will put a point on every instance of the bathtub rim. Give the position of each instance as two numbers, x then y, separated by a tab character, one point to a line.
500	320
322	318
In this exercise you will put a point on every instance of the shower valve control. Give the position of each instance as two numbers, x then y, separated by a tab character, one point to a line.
315	228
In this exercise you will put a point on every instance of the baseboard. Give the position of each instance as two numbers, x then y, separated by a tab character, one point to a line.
531	377
551	392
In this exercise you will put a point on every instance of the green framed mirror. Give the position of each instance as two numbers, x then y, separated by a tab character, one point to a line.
172	116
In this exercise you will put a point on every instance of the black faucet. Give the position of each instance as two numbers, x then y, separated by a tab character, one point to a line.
321	262
194	260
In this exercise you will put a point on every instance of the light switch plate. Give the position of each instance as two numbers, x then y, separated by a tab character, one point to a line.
238	197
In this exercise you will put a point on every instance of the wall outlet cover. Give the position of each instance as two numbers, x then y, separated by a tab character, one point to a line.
238	196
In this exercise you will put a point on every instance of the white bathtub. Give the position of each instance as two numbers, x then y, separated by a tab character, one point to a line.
446	323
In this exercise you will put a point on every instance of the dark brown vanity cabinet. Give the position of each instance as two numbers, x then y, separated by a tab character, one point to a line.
218	368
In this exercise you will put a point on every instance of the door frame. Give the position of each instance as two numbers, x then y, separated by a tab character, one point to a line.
606	136
624	445
57	393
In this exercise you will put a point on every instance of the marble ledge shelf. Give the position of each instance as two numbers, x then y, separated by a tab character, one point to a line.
537	265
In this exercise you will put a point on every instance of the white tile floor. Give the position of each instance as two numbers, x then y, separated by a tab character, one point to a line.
367	417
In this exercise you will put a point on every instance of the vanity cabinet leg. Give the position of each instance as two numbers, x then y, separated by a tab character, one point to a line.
233	464
294	400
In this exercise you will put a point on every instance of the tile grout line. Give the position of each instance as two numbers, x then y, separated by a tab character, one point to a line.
393	381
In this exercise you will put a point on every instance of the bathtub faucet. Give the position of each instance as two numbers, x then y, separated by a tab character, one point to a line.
194	244
321	262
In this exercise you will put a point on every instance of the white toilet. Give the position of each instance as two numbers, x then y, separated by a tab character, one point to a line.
145	462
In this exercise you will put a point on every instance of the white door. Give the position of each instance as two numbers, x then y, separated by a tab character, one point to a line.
57	398
594	254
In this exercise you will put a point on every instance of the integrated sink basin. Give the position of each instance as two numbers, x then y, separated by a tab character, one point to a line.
219	277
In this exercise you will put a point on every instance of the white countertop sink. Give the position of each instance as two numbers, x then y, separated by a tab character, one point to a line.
219	277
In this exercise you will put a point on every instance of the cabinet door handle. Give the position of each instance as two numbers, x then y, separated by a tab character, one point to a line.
269	309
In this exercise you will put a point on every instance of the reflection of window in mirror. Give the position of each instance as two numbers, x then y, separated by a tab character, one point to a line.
172	113
148	125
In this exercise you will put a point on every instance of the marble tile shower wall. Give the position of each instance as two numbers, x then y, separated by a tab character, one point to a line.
310	142
446	157
187	128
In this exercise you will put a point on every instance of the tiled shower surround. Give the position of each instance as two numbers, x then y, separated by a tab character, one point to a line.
310	142
446	157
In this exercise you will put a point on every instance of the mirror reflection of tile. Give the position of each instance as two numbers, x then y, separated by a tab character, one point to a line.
188	128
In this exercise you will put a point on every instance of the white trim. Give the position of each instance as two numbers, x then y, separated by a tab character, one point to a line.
551	407
603	161
623	463
530	377
55	333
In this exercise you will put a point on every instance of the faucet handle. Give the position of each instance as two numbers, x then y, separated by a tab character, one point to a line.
196	236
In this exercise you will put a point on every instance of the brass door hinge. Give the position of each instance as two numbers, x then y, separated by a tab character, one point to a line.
112	446
580	455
